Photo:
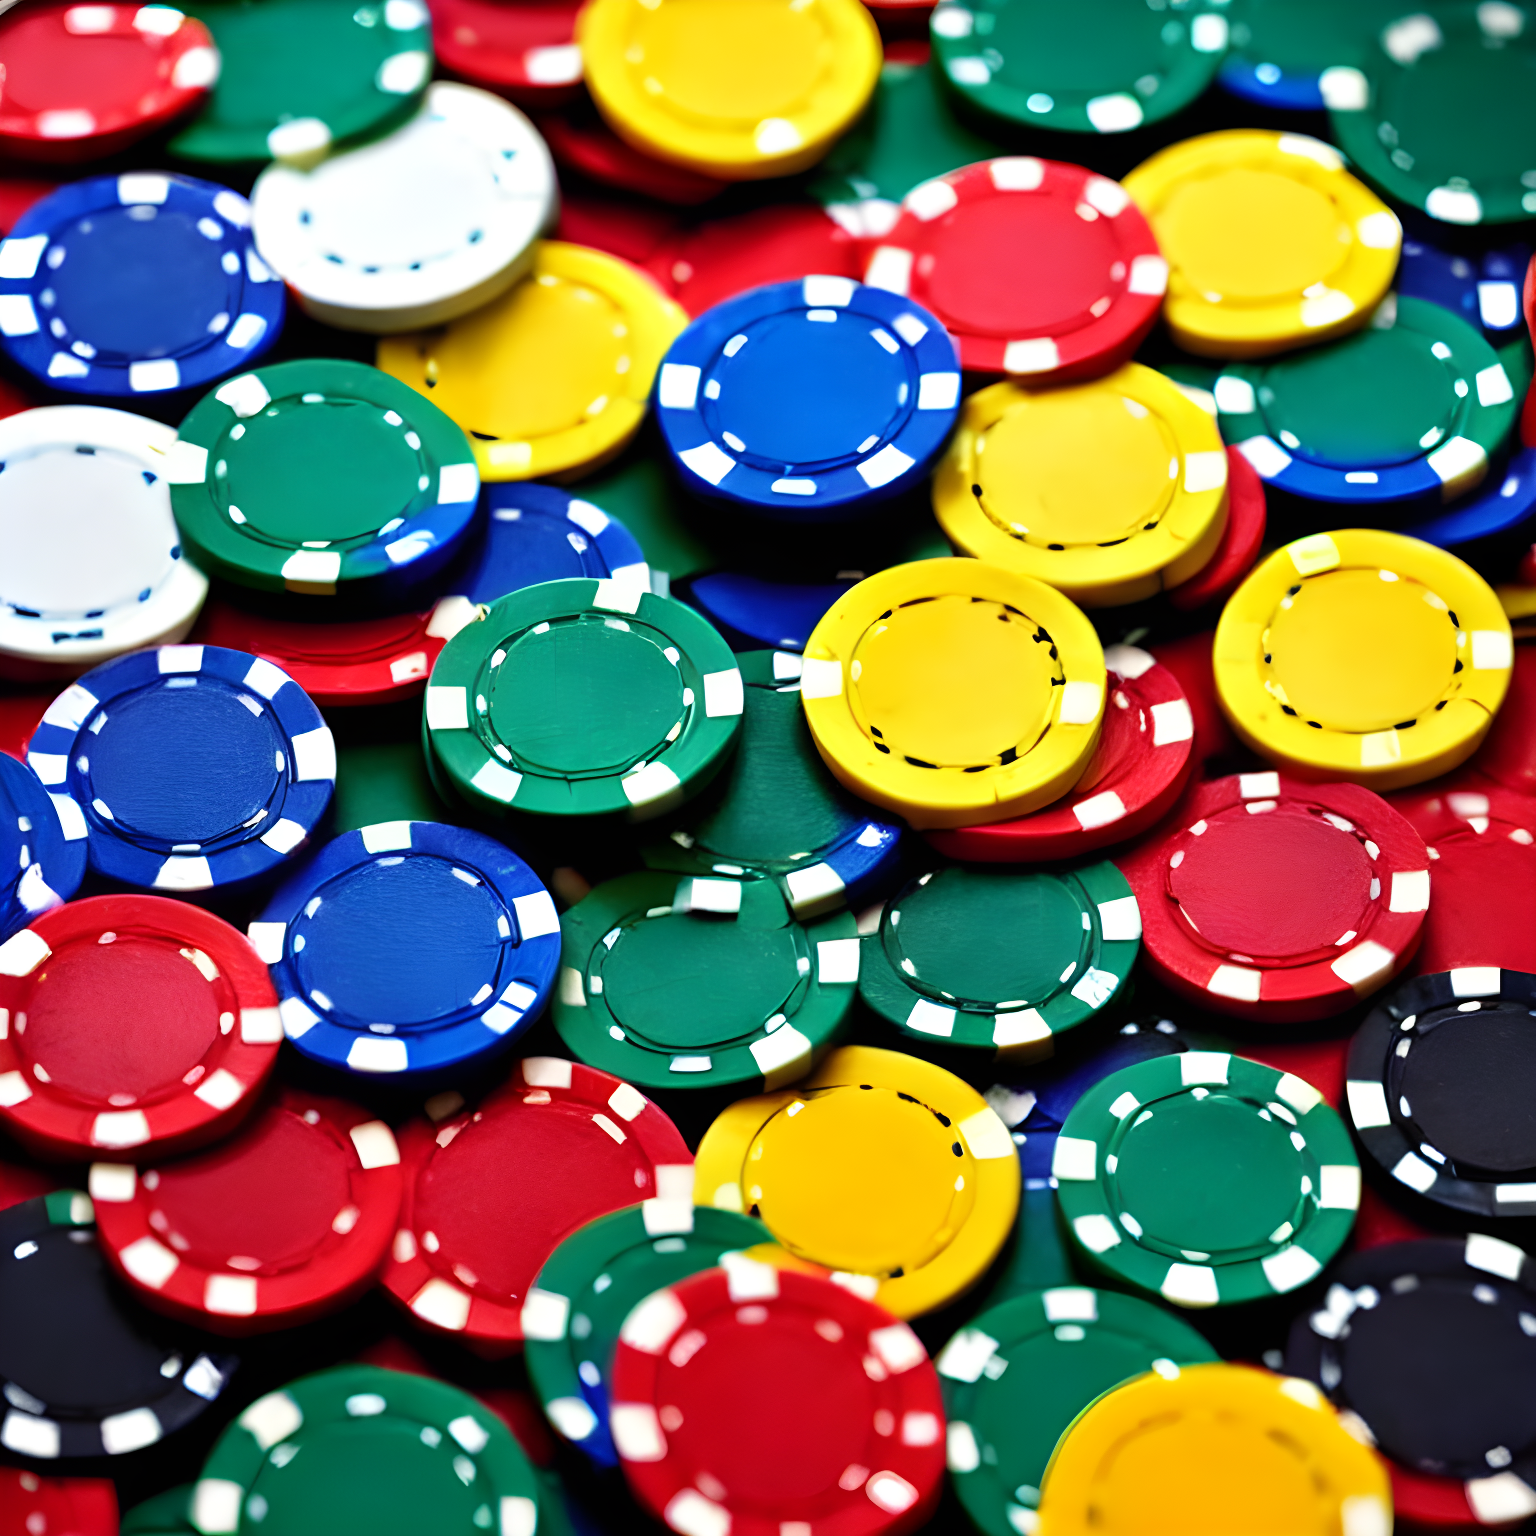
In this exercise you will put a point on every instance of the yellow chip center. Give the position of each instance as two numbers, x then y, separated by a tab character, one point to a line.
1355	651
1076	467
953	682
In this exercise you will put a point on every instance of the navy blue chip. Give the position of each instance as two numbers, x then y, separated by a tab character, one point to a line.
408	947
123	286
42	847
1503	504
1484	291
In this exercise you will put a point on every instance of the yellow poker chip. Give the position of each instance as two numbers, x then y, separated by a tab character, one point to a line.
551	379
1363	655
1210	1450
1270	242
885	1169
736	89
954	692
1109	491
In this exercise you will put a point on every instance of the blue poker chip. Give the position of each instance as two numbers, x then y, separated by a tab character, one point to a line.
805	398
131	285
751	612
1485	292
194	768
1271	86
408	947
1503	504
42	847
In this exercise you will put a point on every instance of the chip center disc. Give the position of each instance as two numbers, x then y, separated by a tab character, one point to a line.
1355	651
1067	48
953	682
1076	468
109	72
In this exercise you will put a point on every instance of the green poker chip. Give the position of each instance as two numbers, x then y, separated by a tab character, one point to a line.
582	698
360	1451
588	1285
166	1514
1001	958
697	982
1017	1375
323	477
1206	1179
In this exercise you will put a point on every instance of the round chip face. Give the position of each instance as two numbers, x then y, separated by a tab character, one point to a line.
529	52
1034	267
418	227
323	477
1362	655
285	1221
553	377
1282	49
589	1285
300	76
1206	1179
1109	490
1034	64
842	1428
409	947
471	1240
739	89
84	81
1019	1373
691	982
1238	551
121	286
886	1169
82	1374
194	768
189	1038
358	1449
1194	1449
582	698
94	563
901	687
77	1506
42	847
1271	243
809	399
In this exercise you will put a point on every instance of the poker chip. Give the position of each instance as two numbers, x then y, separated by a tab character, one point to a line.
1109	490
1362	655
82	1376
300	76
42	847
737	92
1241	542
1281	49
1484	292
582	142
590	697
1270	242
885	1169
1206	1179
1280	900
800	400
1029	63
85	81
1437	115
1019	1373
553	377
471	1240
287	1220
702	981
165	1514
1000	958
900	691
529	52
408	947
751	612
194	768
1190	1449
1508	755
415	228
93	562
844	1426
590	1283
358	1448
776	811
1034	267
120	286
321	446
73	1506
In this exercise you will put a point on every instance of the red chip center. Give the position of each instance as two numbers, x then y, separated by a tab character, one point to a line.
49	69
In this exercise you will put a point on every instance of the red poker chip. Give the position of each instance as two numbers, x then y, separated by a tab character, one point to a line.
1036	268
20	715
1138	770
757	1401
17	194
1528	305
490	1191
136	1024
287	1220
18	1183
581	141
1508	752
526	50
1190	661
1247	518
56	1506
85	80
620	226
1280	901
